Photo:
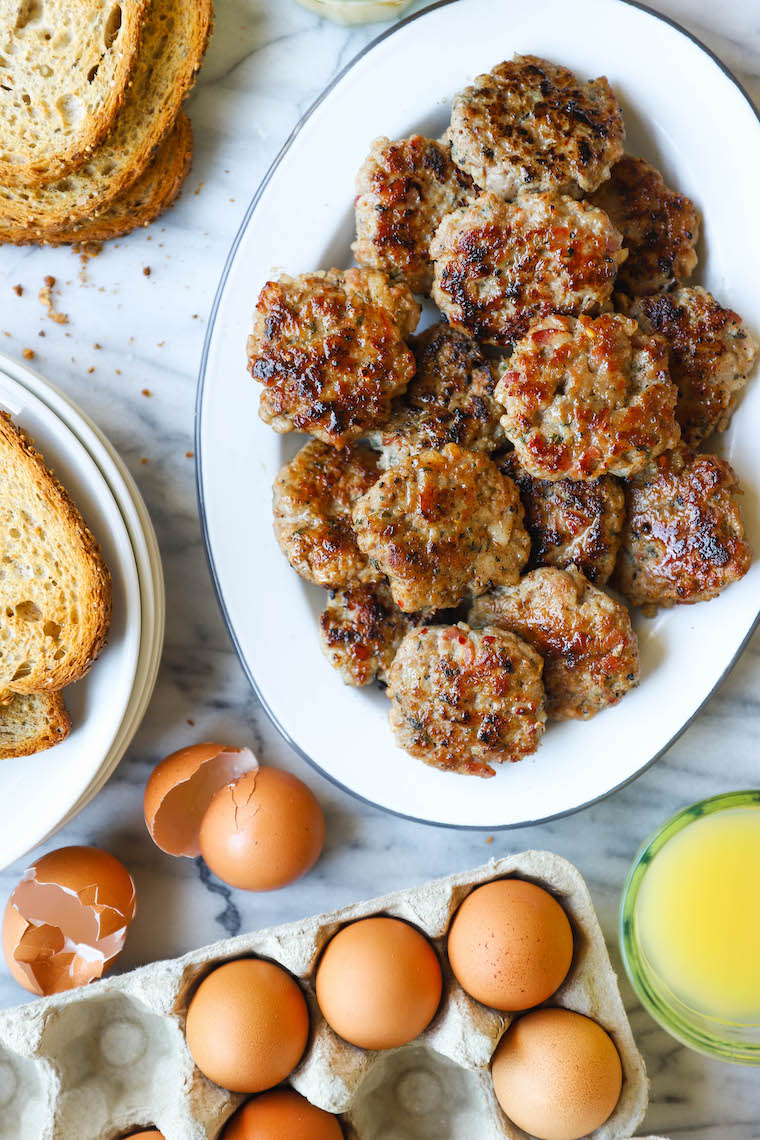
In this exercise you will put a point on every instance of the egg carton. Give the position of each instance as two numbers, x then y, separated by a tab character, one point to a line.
95	1063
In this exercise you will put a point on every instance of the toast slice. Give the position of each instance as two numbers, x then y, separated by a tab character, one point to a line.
139	205
32	723
65	67
55	590
174	40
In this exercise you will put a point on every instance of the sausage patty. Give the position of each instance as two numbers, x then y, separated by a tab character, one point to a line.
405	189
711	354
442	526
329	349
684	539
500	266
660	227
590	652
587	397
450	399
465	699
361	627
530	124
571	522
314	495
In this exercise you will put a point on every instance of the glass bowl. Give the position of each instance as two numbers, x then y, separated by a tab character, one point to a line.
715	1038
357	11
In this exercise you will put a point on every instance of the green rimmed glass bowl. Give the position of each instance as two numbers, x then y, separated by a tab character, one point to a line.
357	11
724	1040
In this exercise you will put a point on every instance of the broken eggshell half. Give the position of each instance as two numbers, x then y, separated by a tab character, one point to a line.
66	922
181	788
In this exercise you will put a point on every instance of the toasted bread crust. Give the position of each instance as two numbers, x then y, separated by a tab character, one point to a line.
43	721
113	69
175	38
51	674
140	204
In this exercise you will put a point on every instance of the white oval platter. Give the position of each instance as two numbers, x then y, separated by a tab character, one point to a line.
674	95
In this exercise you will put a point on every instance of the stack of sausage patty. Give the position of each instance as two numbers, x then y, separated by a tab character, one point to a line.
93	139
471	494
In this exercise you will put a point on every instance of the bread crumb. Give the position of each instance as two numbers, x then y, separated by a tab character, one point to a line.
41	332
189	454
199	187
97	346
46	299
91	369
143	460
146	392
490	839
146	271
18	290
28	354
191	722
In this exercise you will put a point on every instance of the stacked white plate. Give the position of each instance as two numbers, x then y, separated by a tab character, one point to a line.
39	794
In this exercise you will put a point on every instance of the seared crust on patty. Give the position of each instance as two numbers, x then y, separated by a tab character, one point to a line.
405	189
590	652
314	495
660	227
464	699
530	124
442	526
329	349
500	266
684	539
711	354
570	522
587	397
361	627
450	399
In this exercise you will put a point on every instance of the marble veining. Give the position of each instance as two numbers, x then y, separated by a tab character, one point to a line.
129	356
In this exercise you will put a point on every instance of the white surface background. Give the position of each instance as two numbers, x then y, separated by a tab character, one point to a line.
268	61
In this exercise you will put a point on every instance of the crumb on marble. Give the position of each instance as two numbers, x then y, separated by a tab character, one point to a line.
146	392
28	354
18	290
189	455
146	271
46	299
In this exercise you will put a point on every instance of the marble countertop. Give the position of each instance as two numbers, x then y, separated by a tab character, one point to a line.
268	60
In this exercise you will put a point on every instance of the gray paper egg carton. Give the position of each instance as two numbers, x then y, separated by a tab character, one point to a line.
98	1062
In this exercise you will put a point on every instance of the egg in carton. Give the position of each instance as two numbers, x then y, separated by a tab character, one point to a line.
99	1062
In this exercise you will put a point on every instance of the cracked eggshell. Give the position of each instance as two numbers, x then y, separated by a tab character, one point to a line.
66	921
262	832
182	786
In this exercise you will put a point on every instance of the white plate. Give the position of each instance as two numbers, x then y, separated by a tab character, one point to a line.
147	556
688	116
40	794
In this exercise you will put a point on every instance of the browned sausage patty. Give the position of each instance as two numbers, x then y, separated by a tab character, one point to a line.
329	349
442	526
684	539
314	495
571	522
590	652
464	699
711	354
586	397
530	124
500	266
660	227
405	189
361	627
450	399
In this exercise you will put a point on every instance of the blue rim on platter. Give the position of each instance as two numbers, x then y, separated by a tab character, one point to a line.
199	450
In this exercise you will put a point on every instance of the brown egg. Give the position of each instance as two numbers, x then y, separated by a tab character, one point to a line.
262	832
557	1074
182	786
282	1115
510	945
379	983
151	1134
247	1025
67	920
